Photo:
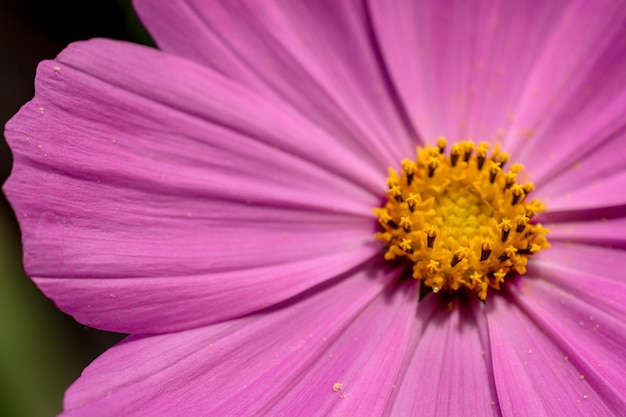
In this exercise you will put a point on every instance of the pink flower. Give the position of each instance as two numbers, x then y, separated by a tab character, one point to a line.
213	199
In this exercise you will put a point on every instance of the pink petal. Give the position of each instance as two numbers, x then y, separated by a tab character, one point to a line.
297	359
318	57
176	189
603	287
460	67
603	232
596	260
448	374
604	197
574	99
532	373
592	338
170	303
577	164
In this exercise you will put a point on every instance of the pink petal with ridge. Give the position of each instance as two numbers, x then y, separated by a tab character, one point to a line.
596	154
596	288
601	232
592	337
448	374
532	374
175	189
319	57
460	67
295	359
597	260
574	99
605	195
170	303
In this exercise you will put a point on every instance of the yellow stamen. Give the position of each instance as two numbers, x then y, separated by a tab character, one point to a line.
413	200
406	223
431	235
441	144
405	244
503	158
486	250
460	219
455	152
433	266
396	192
433	163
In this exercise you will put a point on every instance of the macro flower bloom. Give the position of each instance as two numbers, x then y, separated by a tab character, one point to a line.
218	199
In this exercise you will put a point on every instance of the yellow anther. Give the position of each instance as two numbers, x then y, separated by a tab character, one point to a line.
528	187
505	229
509	179
476	278
409	166
432	267
383	216
494	170
433	163
409	169
481	154
455	153
476	223
517	192
499	276
538	206
510	251
431	235
396	192
405	244
441	144
485	250
413	200
458	256
533	208
406	223
468	148
503	158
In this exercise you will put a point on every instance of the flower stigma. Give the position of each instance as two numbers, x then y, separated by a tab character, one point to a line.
460	219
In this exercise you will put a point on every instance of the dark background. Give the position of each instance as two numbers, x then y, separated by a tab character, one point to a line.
42	350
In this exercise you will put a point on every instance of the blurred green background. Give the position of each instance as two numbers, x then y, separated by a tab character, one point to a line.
42	351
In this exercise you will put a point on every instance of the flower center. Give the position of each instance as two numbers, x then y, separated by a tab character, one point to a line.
463	222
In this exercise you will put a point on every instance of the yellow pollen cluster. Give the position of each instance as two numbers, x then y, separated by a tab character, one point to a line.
460	219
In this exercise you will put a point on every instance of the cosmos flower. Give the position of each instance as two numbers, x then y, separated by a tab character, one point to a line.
226	201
